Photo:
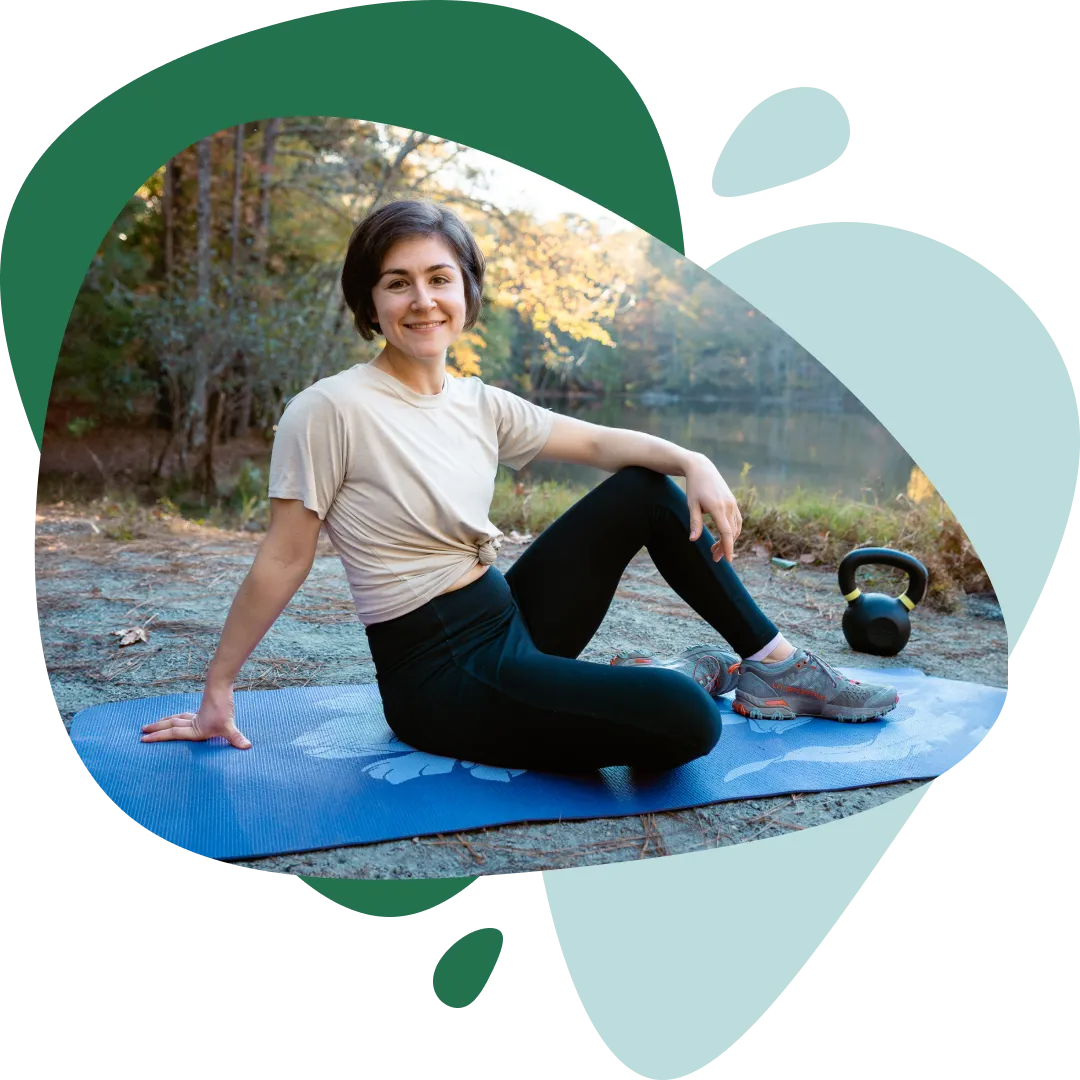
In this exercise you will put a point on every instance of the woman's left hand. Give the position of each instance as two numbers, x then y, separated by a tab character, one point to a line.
708	493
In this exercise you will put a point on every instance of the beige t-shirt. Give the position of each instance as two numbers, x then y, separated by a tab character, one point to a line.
402	480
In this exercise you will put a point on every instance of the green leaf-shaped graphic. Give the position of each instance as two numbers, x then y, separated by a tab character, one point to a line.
388	898
459	976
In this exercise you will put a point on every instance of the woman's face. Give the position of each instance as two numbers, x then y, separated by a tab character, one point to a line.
420	298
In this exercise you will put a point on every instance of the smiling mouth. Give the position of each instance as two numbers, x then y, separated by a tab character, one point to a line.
423	325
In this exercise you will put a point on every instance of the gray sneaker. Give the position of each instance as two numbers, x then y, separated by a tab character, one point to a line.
714	668
804	685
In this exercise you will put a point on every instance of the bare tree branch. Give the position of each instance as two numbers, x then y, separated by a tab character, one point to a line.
414	140
438	168
318	196
307	155
488	208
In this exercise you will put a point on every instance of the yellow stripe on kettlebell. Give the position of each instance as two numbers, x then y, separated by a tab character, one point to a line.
849	597
903	598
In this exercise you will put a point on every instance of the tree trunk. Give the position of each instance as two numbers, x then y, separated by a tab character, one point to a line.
247	396
164	412
238	172
239	426
262	243
168	208
262	250
207	480
200	391
177	433
333	317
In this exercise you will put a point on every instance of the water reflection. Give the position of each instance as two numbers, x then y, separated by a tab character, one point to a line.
836	449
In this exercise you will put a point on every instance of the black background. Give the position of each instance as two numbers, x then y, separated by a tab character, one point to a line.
943	960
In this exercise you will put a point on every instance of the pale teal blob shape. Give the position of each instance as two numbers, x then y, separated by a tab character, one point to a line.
953	363
788	136
675	958
967	379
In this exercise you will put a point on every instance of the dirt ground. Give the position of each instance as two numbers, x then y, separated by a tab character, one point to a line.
177	579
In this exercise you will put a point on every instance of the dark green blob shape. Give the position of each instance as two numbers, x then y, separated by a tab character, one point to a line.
481	66
390	898
466	967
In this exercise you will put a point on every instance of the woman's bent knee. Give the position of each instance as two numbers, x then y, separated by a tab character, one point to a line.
691	718
637	476
647	486
688	747
703	734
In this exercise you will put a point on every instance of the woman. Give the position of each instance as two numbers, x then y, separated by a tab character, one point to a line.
398	461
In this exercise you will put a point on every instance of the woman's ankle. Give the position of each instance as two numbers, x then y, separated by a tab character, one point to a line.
780	653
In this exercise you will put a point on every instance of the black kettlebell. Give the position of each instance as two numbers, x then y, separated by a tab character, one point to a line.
876	623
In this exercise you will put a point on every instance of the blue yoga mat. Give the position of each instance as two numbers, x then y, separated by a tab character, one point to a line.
325	769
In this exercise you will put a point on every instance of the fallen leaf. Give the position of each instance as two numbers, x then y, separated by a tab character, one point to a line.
807	558
131	635
760	549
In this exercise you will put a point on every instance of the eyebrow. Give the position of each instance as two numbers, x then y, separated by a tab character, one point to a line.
430	269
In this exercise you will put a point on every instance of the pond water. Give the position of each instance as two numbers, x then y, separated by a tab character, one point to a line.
835	447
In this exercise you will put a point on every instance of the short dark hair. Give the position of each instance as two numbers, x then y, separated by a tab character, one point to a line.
401	220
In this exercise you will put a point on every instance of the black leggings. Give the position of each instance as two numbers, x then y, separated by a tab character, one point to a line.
487	673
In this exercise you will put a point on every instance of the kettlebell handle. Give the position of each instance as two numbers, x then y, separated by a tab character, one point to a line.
916	572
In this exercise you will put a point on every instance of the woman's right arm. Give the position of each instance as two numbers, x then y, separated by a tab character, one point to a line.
281	565
283	562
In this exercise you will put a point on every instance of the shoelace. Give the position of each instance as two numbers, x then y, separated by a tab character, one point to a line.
837	678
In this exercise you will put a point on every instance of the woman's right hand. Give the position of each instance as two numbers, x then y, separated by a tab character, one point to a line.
284	559
214	719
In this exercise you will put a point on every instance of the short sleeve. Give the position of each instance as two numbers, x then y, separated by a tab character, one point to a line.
522	427
310	450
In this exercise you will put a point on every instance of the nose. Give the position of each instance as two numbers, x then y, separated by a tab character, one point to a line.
422	301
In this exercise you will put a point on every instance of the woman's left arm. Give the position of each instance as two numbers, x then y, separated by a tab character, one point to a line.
614	448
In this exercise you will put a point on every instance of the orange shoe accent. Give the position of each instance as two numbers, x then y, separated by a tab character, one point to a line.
778	701
803	690
734	667
740	708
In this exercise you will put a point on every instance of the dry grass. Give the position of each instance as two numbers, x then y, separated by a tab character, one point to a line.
816	528
530	508
823	530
